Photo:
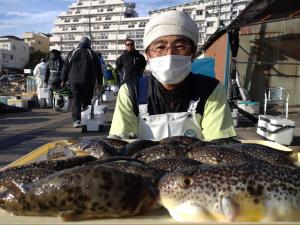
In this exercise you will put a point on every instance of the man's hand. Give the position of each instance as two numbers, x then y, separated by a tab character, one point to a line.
62	84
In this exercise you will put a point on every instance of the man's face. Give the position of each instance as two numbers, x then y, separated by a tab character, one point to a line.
170	45
129	46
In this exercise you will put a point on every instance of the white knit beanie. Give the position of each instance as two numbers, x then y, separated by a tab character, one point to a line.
170	23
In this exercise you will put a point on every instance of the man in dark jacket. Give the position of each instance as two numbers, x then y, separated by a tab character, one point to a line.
130	64
53	77
81	69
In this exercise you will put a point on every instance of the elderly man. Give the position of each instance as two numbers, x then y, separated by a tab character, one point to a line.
172	101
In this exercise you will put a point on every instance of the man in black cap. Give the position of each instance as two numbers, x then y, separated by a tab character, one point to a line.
81	69
131	64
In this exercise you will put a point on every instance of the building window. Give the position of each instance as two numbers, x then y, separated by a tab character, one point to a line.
77	11
101	2
130	25
109	9
108	18
99	10
3	55
199	12
73	28
39	43
11	57
65	28
67	20
79	3
14	47
98	18
106	27
75	20
210	24
142	24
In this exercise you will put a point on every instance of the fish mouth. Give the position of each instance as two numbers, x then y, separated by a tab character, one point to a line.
188	211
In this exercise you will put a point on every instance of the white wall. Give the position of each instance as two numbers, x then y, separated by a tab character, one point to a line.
13	53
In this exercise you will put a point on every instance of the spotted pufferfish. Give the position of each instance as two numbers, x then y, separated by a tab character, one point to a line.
247	192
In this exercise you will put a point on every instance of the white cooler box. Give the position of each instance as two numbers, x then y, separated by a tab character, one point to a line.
93	118
114	89
18	102
108	96
278	129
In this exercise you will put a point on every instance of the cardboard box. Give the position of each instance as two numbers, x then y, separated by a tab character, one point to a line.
274	128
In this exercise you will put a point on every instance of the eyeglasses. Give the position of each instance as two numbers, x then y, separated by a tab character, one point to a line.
130	44
178	48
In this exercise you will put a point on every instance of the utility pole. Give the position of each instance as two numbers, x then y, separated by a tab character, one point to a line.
90	29
117	34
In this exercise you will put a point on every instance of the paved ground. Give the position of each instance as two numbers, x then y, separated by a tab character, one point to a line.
23	132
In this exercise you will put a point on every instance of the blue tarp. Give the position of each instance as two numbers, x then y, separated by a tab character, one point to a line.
204	66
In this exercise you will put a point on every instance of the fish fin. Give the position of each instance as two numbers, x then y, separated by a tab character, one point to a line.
229	207
191	212
71	215
13	187
293	156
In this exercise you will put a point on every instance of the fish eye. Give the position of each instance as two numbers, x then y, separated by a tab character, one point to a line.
186	182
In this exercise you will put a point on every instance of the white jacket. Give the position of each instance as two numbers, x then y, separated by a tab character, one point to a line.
40	71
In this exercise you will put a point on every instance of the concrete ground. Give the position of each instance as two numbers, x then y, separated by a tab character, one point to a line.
20	133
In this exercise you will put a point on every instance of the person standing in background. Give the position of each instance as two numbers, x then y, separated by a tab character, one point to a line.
53	77
82	69
40	73
131	64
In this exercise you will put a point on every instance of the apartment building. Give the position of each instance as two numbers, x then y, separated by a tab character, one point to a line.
110	22
37	41
14	53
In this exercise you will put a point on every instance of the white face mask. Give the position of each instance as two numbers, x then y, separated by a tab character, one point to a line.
171	69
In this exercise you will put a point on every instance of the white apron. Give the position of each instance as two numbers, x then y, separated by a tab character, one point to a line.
169	124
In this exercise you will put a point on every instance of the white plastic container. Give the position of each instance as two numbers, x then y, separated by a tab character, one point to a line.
248	106
114	89
274	128
235	117
18	102
95	121
4	99
108	96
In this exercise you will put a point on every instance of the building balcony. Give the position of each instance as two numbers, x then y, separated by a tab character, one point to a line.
55	38
211	30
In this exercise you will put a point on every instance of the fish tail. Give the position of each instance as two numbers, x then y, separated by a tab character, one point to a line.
293	156
12	187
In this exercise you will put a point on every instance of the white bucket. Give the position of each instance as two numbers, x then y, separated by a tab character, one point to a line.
235	117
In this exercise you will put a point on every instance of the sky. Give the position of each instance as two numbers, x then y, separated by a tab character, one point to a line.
19	16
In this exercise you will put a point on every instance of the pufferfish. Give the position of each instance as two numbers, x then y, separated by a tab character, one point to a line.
243	192
82	192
